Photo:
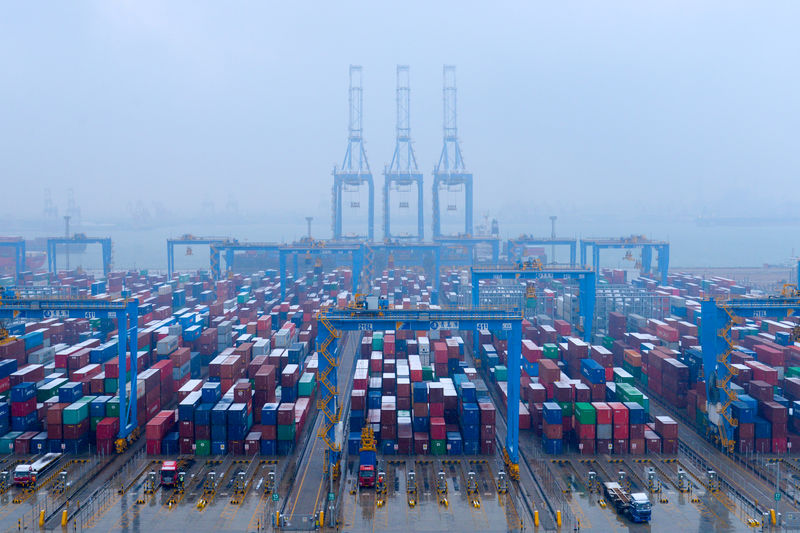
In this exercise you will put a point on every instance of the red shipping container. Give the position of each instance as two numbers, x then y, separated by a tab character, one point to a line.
76	431
421	446
153	447
621	431
603	411
487	447
55	431
620	446
586	447
585	431
108	428
23	408
637	446
669	446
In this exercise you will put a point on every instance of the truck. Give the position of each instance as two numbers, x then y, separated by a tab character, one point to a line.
635	506
27	474
169	473
367	459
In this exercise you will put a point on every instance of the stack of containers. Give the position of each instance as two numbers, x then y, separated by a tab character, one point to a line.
23	407
552	428
286	428
585	427
621	430
157	429
269	429
605	426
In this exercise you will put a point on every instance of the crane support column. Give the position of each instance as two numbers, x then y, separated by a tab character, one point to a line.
514	353
588	294
663	262
647	260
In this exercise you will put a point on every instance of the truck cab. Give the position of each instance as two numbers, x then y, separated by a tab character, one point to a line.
169	473
640	508
366	476
24	475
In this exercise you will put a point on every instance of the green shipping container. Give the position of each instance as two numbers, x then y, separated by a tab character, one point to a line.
608	343
622	376
49	389
75	413
110	385
501	373
306	385
112	407
550	351
585	413
427	373
94	420
7	441
286	432
202	447
793	372
377	341
566	408
438	447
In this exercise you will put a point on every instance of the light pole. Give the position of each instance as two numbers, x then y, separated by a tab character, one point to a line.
553	236
308	220
777	465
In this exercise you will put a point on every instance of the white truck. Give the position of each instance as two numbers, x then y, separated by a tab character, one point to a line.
27	474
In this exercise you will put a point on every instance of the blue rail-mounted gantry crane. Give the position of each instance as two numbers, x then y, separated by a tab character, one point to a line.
718	317
586	277
79	238
124	310
372	316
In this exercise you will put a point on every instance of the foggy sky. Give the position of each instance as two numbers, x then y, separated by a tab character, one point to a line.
620	107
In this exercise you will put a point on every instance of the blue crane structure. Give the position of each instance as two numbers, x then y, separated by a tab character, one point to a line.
719	316
628	243
125	310
587	285
53	242
187	240
356	251
403	173
18	243
515	247
332	322
450	174
230	247
412	254
355	168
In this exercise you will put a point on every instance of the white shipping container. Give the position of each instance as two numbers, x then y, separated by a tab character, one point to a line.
167	345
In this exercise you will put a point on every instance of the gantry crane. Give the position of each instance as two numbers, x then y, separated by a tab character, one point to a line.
126	312
79	238
188	240
587	280
18	243
450	174
372	317
630	243
403	173
355	170
719	316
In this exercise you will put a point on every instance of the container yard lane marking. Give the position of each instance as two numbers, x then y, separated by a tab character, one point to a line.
305	472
